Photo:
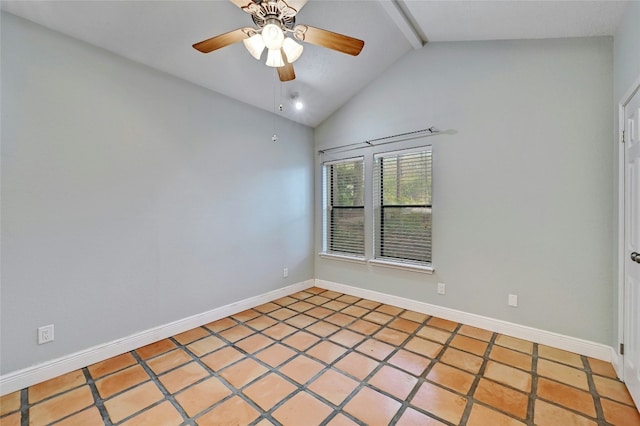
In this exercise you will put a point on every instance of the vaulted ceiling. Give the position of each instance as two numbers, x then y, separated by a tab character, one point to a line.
159	33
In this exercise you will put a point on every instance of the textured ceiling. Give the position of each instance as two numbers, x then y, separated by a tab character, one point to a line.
160	34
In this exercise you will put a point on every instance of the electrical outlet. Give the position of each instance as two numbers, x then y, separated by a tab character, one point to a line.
441	288
285	272
513	300
45	334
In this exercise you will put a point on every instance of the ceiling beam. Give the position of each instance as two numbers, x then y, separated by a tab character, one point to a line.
398	16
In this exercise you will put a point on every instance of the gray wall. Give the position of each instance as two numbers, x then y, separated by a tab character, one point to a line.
522	188
131	199
626	56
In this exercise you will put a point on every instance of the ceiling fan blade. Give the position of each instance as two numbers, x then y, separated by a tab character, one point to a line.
221	41
241	3
286	73
328	39
296	4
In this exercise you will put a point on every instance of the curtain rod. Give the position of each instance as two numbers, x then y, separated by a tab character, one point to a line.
369	143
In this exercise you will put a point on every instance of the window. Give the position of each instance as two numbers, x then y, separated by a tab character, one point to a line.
344	207
402	198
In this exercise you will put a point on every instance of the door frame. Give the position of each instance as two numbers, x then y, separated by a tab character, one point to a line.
618	359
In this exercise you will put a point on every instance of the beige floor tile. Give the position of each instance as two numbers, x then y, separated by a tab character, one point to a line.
483	416
546	414
301	306
559	355
326	351
514	343
442	323
269	390
203	395
347	298
89	416
510	357
423	347
9	403
222	358
357	365
476	333
301	295
413	417
567	396
254	343
620	414
301	340
163	414
267	307
562	373
602	368
463	360
509	376
279	331
408	361
414	316
341	420
275	355
182	377
123	379
220	325
301	369
347	338
355	311
389	310
132	401
377	318
368	304
302	409
391	336
333	386
375	349
372	408
435	334
451	378
155	349
301	321
317	300
191	335
111	365
14	419
56	408
56	385
261	322
168	361
331	294
322	329
404	325
340	319
236	333
441	402
245	316
243	372
319	312
393	381
285	301
204	346
364	327
502	398
234	411
468	344
612	389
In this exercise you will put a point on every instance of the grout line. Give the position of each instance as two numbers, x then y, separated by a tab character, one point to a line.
99	402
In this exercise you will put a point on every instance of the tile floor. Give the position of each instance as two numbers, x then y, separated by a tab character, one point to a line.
323	358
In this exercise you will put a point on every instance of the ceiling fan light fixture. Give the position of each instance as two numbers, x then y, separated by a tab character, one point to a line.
272	36
274	58
292	49
255	45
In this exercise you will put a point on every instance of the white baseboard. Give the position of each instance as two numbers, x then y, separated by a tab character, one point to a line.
38	373
556	340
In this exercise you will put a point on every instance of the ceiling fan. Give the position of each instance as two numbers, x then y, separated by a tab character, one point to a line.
274	20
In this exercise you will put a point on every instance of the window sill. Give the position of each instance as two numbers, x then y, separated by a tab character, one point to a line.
404	266
352	259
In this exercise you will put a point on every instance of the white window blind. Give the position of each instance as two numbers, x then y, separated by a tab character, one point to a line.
344	207
402	197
